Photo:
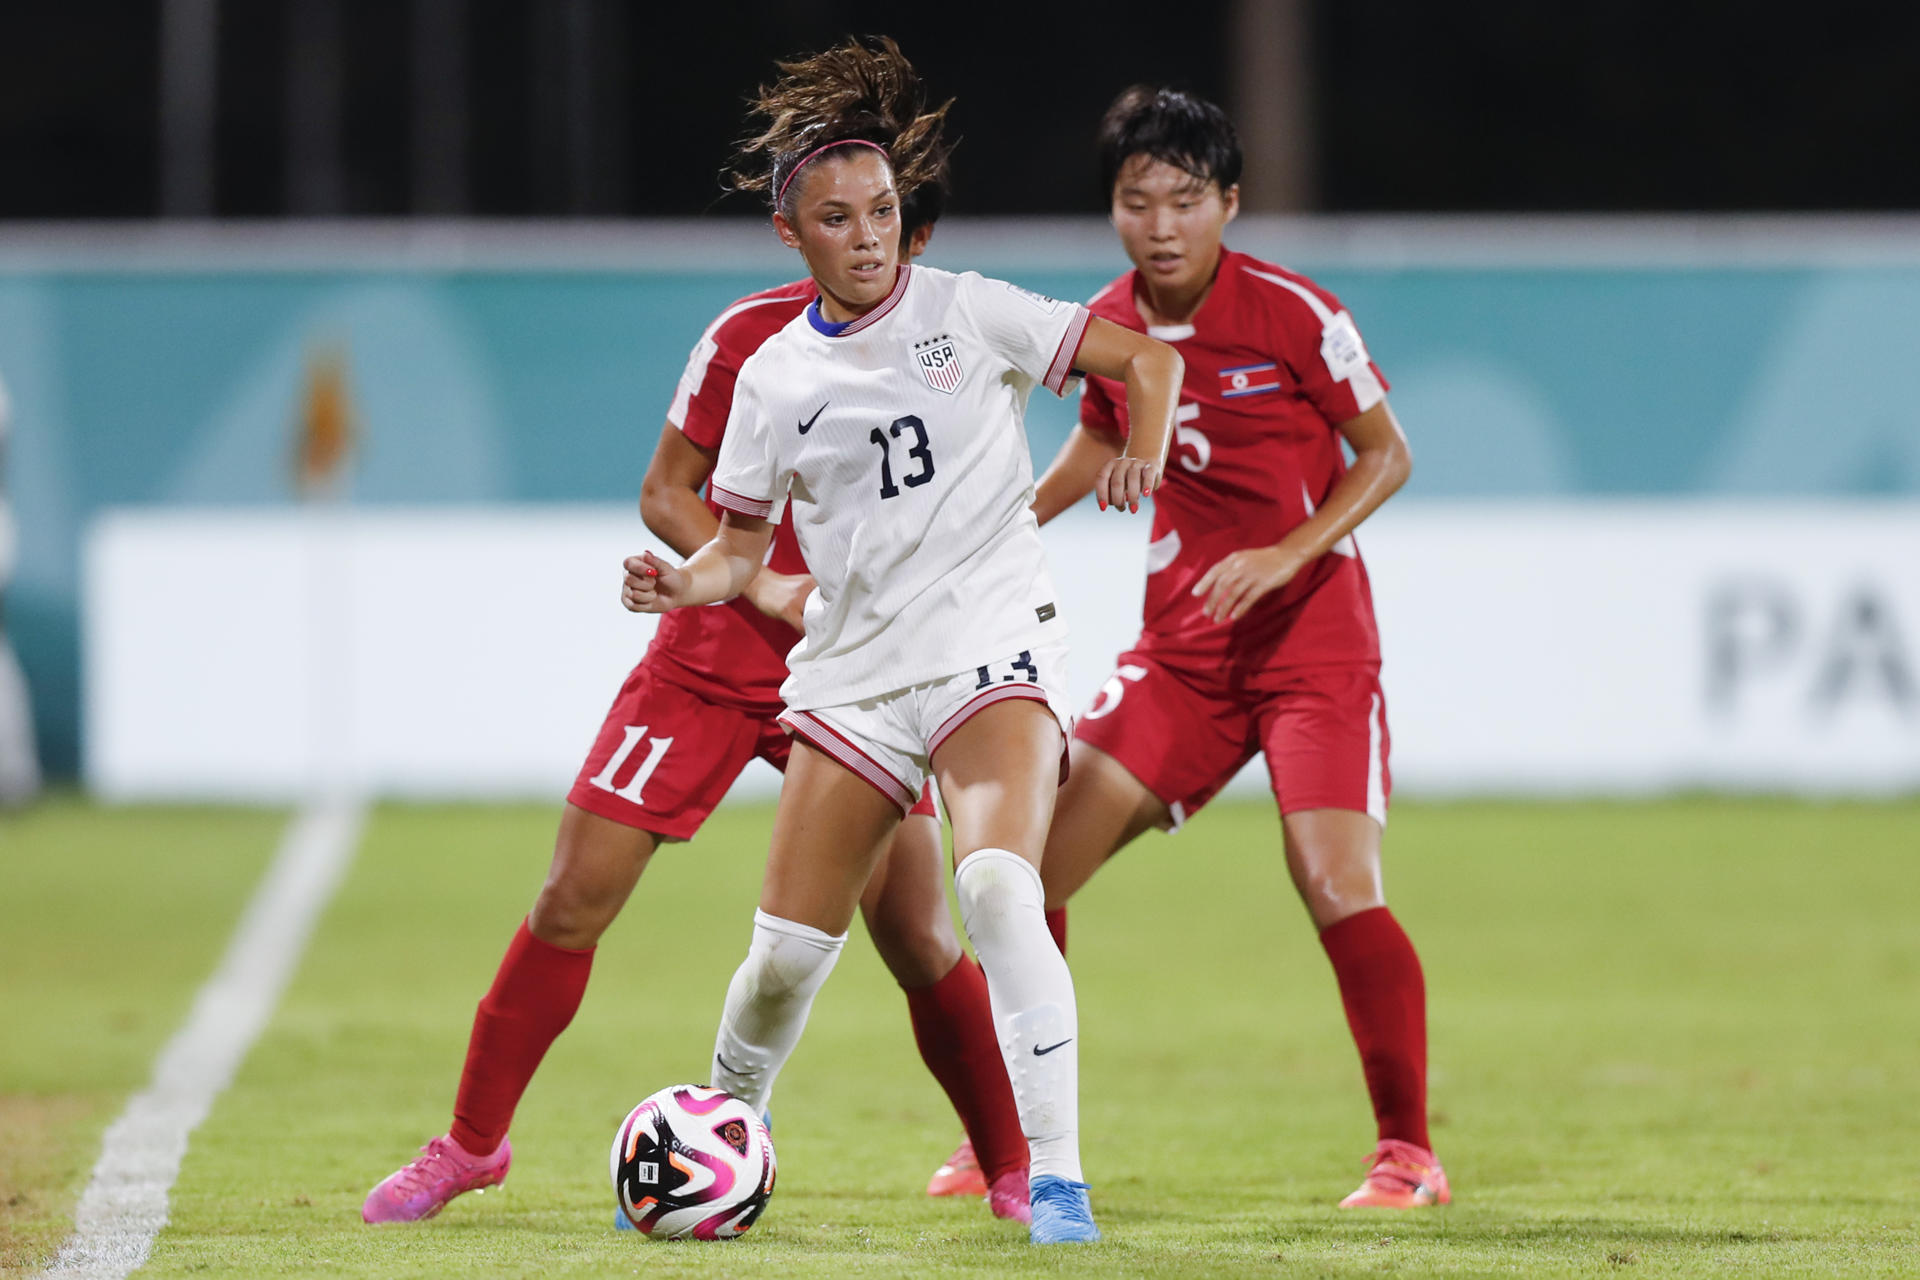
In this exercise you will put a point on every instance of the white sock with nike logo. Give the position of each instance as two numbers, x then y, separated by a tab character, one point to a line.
767	1005
1004	910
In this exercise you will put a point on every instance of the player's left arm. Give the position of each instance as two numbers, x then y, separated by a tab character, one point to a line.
1381	464
1151	371
1069	477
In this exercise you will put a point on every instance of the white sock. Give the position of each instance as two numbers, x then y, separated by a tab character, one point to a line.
767	1005
1004	910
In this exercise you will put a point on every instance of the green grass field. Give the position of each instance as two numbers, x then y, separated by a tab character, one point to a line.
1678	1038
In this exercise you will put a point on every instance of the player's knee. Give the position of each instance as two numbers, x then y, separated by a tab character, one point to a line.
918	952
1336	888
1329	908
787	960
573	914
1334	856
993	886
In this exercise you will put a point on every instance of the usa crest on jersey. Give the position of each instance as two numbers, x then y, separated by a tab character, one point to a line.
939	363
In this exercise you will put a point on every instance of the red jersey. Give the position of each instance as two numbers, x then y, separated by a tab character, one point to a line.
1273	366
731	653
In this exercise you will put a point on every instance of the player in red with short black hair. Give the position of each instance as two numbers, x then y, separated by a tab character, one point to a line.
699	707
1259	634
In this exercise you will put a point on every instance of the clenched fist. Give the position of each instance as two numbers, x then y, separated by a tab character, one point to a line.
651	584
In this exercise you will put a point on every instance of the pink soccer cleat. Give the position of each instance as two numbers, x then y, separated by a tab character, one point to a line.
444	1170
960	1175
1402	1176
1007	1197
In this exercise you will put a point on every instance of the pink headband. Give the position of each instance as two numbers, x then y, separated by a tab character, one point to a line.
844	142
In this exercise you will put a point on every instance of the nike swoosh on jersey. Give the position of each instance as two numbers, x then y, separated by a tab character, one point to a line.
1038	1052
808	424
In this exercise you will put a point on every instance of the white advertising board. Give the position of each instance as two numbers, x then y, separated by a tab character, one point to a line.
1621	648
1590	649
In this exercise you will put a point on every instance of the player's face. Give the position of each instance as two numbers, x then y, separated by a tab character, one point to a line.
1170	222
846	224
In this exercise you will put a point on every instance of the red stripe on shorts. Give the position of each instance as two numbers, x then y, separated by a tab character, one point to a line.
980	702
846	752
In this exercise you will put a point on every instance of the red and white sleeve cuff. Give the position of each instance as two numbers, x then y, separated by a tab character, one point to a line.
1062	367
759	507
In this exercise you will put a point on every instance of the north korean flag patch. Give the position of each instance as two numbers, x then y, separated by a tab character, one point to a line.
1249	380
939	363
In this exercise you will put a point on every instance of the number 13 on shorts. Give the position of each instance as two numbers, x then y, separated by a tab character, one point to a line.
1021	669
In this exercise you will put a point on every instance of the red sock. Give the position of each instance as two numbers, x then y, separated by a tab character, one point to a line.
532	1000
1057	926
1386	999
953	1025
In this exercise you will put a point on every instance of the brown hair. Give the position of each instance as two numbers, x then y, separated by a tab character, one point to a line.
859	90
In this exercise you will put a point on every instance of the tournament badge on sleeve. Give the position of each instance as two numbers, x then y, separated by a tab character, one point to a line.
939	363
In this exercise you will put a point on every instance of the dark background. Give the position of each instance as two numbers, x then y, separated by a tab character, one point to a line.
611	107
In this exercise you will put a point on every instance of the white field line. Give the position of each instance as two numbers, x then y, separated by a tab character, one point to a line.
125	1204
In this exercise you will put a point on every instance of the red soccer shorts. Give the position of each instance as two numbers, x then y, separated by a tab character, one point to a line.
665	757
1323	731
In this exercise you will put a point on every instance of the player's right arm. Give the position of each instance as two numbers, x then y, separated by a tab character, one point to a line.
671	501
671	504
718	571
750	484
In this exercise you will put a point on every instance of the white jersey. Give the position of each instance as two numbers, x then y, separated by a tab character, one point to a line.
900	441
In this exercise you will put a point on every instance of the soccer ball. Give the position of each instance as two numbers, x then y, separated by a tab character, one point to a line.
692	1162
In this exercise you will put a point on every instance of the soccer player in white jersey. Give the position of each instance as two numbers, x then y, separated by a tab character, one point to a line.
701	703
888	421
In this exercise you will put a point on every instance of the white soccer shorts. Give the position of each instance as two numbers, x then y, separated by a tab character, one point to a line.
890	740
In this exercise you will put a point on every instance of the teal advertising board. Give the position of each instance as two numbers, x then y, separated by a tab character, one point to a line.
501	384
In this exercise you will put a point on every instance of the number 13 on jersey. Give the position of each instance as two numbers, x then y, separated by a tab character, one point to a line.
920	451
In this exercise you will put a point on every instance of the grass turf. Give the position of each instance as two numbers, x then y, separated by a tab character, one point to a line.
109	921
1668	1039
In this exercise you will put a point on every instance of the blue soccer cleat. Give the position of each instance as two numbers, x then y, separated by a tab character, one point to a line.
1061	1212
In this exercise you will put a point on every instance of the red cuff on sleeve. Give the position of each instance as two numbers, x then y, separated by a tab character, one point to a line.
761	508
1062	366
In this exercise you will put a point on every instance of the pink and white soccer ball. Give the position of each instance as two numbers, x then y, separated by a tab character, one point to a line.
692	1162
